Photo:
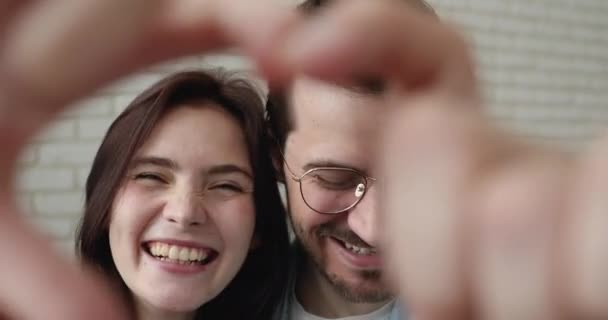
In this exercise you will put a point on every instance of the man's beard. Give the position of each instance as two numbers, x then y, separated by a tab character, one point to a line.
351	293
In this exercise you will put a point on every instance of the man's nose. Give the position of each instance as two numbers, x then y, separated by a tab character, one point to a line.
363	218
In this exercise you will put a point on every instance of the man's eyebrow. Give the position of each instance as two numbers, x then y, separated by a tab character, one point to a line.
155	161
330	163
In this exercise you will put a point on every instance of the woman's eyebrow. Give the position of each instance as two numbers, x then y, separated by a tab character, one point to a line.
156	161
228	168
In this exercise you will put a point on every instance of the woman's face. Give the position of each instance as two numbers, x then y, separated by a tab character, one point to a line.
183	220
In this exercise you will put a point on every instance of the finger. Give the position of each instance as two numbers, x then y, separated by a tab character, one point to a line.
55	52
54	58
60	49
586	238
192	26
433	154
62	291
517	212
384	38
51	59
9	10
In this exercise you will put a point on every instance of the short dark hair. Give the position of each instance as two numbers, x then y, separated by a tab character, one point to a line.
313	6
259	286
278	120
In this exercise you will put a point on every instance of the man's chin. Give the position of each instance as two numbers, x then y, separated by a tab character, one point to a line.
367	289
357	286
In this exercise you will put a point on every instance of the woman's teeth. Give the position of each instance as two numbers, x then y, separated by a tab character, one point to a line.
176	254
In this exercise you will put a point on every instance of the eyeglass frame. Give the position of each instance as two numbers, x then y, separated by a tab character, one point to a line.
294	177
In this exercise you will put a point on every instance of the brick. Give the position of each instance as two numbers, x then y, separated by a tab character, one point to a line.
29	156
94	106
188	63
122	101
66	154
543	65
59	203
63	129
45	179
24	202
81	177
93	128
57	228
134	84
229	62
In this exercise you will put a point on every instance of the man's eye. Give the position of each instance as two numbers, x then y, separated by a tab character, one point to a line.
341	182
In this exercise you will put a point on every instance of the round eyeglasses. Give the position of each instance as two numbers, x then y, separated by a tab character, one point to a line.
332	190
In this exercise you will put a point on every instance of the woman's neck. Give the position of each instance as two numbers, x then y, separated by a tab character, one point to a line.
148	312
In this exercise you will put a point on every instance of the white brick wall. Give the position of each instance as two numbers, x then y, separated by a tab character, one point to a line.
543	64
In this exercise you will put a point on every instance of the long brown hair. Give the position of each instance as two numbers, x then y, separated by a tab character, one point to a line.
259	286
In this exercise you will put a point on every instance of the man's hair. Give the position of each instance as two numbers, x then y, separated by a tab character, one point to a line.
277	117
313	6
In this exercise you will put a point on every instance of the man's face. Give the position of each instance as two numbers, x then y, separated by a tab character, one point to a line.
335	127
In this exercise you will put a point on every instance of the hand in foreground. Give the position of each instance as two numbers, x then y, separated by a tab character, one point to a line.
53	52
478	226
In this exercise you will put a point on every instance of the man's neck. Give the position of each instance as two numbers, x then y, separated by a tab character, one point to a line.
317	295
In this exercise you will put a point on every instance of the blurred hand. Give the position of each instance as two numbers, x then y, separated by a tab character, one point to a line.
53	52
478	225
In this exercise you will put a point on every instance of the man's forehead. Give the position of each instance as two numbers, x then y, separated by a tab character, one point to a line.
320	106
333	124
306	148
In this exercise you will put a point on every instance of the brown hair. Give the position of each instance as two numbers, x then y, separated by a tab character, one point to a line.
259	286
313	6
278	119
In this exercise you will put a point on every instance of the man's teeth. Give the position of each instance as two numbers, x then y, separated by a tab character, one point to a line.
175	253
360	250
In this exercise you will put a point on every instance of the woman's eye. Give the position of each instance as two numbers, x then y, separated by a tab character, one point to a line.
227	187
152	177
